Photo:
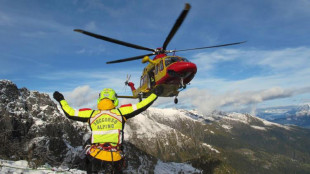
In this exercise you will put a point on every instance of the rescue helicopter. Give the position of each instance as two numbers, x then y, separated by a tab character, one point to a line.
171	72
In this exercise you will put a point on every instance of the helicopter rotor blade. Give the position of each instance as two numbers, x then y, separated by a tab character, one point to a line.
113	40
223	45
129	59
177	25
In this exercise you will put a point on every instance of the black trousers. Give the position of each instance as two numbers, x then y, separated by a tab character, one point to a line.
95	166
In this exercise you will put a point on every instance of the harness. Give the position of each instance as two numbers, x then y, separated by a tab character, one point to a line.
107	147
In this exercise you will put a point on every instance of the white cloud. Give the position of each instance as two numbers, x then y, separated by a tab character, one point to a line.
82	96
206	60
287	76
286	68
283	59
201	99
84	86
206	101
86	97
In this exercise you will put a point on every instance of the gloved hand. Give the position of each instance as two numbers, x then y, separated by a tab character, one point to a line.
58	96
159	90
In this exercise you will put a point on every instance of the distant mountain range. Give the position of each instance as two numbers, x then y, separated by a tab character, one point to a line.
33	128
287	115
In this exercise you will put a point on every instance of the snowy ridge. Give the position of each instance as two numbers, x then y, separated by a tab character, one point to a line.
162	168
22	167
304	110
268	123
230	118
174	114
143	127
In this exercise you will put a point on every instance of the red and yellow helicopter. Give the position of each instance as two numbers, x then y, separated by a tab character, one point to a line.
174	73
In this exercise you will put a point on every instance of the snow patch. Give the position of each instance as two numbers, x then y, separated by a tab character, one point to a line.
210	147
172	167
259	128
228	127
170	113
38	122
145	127
238	117
22	167
268	123
43	107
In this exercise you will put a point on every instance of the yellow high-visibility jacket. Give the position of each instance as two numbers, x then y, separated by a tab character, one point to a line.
107	122
107	125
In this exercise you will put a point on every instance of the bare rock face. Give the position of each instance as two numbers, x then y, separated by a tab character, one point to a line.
33	128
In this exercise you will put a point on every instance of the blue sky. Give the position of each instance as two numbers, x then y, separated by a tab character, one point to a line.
40	51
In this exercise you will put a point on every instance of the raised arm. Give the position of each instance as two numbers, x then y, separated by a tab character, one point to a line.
133	110
74	114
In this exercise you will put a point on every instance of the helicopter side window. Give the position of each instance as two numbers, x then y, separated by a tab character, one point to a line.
142	81
156	69
168	61
161	65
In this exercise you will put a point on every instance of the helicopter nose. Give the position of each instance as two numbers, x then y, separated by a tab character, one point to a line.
182	69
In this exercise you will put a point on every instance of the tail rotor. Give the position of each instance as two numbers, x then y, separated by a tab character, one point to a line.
127	79
126	82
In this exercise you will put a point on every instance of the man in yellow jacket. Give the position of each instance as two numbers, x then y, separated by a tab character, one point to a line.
107	125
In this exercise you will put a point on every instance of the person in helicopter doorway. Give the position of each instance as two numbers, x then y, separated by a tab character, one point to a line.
107	125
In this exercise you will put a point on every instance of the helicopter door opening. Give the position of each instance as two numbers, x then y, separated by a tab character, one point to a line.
151	76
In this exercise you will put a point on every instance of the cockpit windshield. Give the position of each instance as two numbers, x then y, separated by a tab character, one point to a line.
170	60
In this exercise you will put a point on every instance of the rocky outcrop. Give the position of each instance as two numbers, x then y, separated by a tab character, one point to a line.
33	128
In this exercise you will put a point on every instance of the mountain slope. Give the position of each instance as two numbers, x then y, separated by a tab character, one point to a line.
238	142
157	141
